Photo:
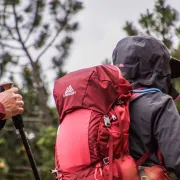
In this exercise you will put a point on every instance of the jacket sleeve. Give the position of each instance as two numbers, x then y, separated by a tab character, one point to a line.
167	133
2	111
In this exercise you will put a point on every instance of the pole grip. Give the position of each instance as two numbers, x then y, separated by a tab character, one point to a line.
18	121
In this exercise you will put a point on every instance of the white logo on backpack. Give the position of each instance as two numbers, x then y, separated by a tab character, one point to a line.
69	91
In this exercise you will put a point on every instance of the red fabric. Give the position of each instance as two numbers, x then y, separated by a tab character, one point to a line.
140	161
94	90
156	173
85	174
110	157
2	111
123	169
83	99
178	98
89	87
160	158
72	142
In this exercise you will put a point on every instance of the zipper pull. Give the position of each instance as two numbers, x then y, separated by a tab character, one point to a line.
114	117
107	121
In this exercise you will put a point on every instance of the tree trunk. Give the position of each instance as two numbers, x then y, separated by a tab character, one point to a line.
42	95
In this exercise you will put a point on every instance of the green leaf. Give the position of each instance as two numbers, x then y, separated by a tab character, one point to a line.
35	24
130	29
11	2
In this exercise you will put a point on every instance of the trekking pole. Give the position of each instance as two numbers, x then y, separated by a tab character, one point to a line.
2	124
18	123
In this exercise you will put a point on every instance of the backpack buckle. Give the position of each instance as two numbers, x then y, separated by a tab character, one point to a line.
107	121
114	117
55	173
106	160
120	102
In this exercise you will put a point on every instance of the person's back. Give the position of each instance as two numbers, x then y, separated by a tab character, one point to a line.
150	127
155	121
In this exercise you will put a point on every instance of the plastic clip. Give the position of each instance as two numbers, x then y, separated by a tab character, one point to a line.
107	121
54	172
106	160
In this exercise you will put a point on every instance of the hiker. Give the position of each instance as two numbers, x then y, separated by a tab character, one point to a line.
154	120
11	103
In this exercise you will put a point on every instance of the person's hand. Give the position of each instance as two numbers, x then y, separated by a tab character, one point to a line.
12	102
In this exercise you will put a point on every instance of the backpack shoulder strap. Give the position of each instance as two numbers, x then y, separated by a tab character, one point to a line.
145	156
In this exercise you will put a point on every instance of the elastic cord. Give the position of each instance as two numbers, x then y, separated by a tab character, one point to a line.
147	90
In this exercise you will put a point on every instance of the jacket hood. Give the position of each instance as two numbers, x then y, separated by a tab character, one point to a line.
145	62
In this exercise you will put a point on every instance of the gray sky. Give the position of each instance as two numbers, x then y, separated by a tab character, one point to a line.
101	24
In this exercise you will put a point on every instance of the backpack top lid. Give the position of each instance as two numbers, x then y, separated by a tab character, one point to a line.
96	88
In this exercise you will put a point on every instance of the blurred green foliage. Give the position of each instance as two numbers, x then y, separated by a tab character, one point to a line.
29	31
161	22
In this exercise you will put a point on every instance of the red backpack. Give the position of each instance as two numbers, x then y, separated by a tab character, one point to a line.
92	139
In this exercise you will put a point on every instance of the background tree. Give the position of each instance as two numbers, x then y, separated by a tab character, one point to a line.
28	31
106	61
161	22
